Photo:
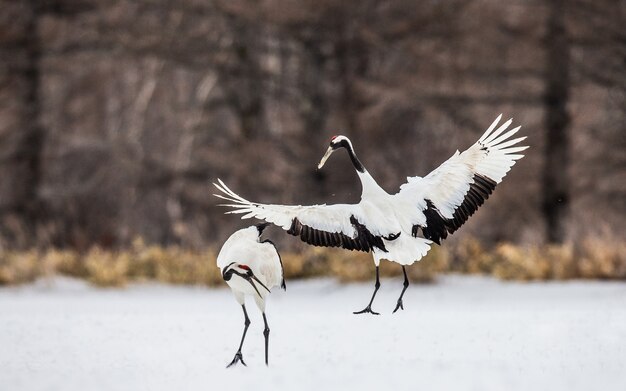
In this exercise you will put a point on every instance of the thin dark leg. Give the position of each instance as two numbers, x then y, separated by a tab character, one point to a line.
406	285
369	306
238	357
266	334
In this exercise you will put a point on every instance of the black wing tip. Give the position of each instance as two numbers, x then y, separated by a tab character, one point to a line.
437	227
365	240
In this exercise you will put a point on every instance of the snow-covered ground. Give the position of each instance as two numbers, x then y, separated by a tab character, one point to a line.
462	333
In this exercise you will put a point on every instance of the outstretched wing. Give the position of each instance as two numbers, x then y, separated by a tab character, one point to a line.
450	194
337	225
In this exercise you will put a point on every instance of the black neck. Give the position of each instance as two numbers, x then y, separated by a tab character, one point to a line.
355	160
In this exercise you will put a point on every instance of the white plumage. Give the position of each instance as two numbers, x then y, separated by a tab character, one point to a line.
250	268
398	227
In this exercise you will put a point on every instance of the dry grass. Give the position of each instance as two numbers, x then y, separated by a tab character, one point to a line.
592	259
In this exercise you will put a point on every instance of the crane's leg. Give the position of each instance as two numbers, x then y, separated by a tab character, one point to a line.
238	357
266	334
406	285
369	306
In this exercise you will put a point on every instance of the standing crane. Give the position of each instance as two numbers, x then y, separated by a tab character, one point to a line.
398	227
251	267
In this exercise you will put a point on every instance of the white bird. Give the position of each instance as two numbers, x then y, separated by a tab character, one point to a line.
251	267
398	227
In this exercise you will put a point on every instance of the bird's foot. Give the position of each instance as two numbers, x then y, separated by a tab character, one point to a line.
238	358
367	309
399	306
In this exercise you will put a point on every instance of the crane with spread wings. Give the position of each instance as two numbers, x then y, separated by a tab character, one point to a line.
398	227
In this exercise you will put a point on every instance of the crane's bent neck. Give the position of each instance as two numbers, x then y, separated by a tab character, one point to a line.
355	160
369	186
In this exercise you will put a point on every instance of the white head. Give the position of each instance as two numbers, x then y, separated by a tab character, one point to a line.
337	142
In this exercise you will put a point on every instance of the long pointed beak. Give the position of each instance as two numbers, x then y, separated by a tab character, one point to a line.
259	281
249	278
325	157
254	286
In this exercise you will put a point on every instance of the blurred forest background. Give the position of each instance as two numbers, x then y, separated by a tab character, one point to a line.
116	115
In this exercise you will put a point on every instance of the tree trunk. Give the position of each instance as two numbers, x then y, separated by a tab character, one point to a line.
556	192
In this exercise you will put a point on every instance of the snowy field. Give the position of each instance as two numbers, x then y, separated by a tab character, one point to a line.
462	333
